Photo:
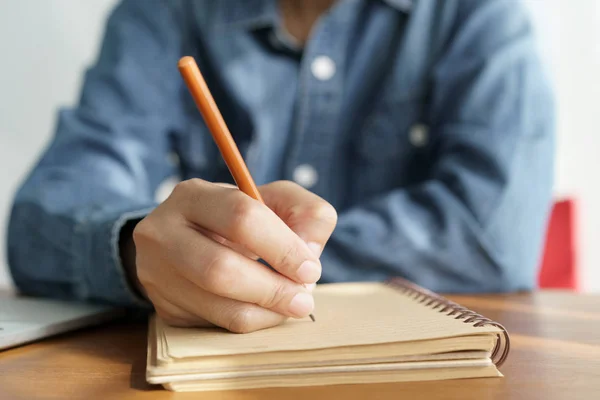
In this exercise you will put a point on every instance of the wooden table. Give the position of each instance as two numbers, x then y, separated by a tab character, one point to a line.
555	355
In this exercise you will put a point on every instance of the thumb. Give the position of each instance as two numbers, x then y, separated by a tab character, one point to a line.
308	215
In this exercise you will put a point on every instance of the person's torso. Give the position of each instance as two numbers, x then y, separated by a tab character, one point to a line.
346	117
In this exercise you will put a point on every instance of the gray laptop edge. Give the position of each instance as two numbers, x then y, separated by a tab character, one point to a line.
25	319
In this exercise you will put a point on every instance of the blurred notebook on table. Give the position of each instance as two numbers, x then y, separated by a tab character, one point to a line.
364	333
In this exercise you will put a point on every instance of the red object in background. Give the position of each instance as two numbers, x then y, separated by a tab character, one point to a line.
559	263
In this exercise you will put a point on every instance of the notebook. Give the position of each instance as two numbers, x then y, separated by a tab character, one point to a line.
363	333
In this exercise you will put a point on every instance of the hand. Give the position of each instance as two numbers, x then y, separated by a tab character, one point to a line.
196	254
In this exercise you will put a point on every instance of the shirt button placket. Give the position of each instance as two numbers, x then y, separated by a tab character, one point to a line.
323	68
313	155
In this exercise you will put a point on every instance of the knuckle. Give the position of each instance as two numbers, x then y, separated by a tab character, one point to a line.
296	213
240	321
322	211
145	230
182	187
287	256
317	211
215	275
287	184
326	212
243	216
188	188
275	296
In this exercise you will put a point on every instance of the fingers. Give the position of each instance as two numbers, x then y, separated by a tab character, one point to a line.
243	220
234	246
308	215
197	307
175	315
218	269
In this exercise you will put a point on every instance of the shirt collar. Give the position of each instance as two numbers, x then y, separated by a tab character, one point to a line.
402	5
254	14
249	14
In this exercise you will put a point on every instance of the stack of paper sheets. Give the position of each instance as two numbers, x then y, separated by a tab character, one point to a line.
364	333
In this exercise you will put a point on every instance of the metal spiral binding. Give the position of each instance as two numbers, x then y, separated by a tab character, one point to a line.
437	302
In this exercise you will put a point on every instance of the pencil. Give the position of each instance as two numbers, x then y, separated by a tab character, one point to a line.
216	124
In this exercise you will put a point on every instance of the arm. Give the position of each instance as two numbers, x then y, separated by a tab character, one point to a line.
104	164
478	223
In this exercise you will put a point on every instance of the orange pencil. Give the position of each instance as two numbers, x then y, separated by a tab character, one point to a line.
220	133
216	124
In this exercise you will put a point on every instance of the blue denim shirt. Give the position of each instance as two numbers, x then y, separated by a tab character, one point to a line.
427	124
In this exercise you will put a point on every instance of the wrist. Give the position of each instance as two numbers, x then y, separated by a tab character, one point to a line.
128	256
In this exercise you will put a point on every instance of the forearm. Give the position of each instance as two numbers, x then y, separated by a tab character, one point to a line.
428	235
397	236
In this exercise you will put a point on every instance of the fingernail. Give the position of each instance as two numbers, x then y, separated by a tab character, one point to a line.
315	248
302	304
309	272
310	287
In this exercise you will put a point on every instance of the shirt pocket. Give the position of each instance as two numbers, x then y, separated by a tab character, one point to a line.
391	147
394	128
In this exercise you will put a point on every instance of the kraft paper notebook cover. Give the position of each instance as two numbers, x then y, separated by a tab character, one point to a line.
364	333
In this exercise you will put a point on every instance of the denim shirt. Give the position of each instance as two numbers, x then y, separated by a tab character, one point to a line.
427	124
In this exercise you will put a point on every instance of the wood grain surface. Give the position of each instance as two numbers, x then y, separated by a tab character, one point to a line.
555	355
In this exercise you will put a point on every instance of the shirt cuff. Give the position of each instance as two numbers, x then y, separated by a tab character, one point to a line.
105	277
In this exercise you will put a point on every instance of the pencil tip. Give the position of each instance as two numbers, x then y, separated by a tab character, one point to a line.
312	317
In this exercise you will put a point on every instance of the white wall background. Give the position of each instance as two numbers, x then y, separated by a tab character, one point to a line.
570	40
45	46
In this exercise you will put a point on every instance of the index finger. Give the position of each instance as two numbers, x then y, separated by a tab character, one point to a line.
243	220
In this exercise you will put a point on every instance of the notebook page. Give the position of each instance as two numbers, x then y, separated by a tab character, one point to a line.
347	314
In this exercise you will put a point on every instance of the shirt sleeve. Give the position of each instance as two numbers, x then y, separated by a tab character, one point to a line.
478	223
104	164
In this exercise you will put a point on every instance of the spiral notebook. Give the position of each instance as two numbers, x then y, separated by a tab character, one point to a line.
364	333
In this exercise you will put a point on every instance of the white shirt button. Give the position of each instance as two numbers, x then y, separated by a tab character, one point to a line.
323	68
419	135
306	175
